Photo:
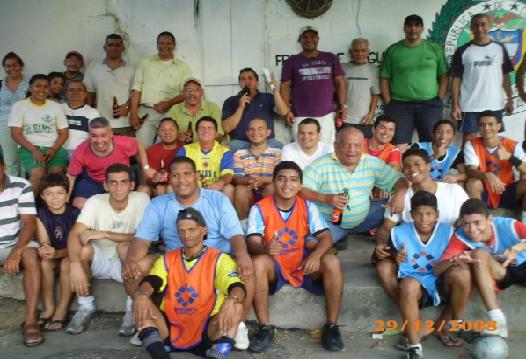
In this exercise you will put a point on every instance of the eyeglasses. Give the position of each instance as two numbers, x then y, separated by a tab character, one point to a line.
191	90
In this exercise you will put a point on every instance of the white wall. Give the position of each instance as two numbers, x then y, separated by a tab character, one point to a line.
216	37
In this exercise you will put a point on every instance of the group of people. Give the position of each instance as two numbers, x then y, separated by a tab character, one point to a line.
134	176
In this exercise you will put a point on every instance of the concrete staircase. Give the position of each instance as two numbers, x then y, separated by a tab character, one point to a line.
364	301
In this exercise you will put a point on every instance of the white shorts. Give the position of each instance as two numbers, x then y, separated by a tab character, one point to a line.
105	268
6	251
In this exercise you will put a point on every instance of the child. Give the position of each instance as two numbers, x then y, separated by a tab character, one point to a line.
444	156
40	127
277	230
55	219
56	86
419	245
495	250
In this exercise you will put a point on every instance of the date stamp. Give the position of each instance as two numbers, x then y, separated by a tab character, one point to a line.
429	326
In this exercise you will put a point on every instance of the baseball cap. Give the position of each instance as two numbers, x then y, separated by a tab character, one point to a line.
308	28
414	18
192	79
77	54
191	214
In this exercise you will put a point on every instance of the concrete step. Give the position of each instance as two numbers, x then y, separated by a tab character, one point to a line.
364	301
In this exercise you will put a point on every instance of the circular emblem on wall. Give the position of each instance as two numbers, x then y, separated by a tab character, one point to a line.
310	8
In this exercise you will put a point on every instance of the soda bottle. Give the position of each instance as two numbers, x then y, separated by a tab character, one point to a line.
189	134
337	213
115	106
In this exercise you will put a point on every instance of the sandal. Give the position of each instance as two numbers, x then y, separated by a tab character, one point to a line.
32	335
61	322
449	341
43	321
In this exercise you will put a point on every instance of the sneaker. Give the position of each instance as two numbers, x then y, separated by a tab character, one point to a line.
127	329
134	340
414	353
262	339
331	338
79	322
241	337
341	245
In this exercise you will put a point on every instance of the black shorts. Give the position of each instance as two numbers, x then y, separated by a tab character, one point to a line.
199	350
514	275
425	300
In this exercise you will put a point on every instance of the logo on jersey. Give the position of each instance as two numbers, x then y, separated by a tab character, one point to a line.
287	238
423	262
186	296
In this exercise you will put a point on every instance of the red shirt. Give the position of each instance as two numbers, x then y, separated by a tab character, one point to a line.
84	159
393	156
157	152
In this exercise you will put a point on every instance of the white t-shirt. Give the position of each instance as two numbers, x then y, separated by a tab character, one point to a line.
450	197
293	152
362	82
78	120
97	214
471	158
39	123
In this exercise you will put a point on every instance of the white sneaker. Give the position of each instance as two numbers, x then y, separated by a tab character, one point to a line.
501	330
79	322
241	337
135	340
127	329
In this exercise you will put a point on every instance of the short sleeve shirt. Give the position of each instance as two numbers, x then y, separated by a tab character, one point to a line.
78	121
8	98
247	163
362	83
179	114
293	152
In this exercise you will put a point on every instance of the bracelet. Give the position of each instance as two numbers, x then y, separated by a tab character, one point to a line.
140	292
515	161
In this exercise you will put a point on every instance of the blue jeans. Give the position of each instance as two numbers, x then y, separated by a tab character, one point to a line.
235	145
372	221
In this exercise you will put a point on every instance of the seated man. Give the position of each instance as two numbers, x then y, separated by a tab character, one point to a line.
213	160
349	170
98	242
93	156
277	230
17	251
224	231
418	245
308	147
495	250
160	155
253	167
447	160
489	161
202	297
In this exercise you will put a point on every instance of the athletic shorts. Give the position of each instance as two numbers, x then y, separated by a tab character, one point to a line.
199	350
426	300
508	199
105	268
60	159
514	275
470	122
310	285
87	187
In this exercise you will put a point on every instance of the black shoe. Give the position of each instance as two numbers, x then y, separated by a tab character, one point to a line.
262	339
331	338
341	245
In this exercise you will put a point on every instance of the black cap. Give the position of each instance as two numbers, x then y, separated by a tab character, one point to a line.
414	18
191	214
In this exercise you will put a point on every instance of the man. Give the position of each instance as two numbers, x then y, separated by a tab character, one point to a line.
490	161
98	242
308	82
278	228
413	81
253	167
480	70
109	83
494	249
224	231
249	103
91	159
192	109
74	62
202	297
213	161
78	114
17	251
349	170
157	87
308	147
363	87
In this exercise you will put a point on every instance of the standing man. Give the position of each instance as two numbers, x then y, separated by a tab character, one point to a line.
480	70
248	104
109	83
413	81
158	86
308	82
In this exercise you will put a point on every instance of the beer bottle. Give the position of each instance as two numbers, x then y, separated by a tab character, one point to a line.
115	106
189	134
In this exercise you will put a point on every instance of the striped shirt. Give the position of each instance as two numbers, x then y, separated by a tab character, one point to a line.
327	175
16	199
246	163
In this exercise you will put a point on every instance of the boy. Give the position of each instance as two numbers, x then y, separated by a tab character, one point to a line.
54	221
418	244
277	229
494	249
56	86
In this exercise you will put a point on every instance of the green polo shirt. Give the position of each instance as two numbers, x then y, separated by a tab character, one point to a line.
179	113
